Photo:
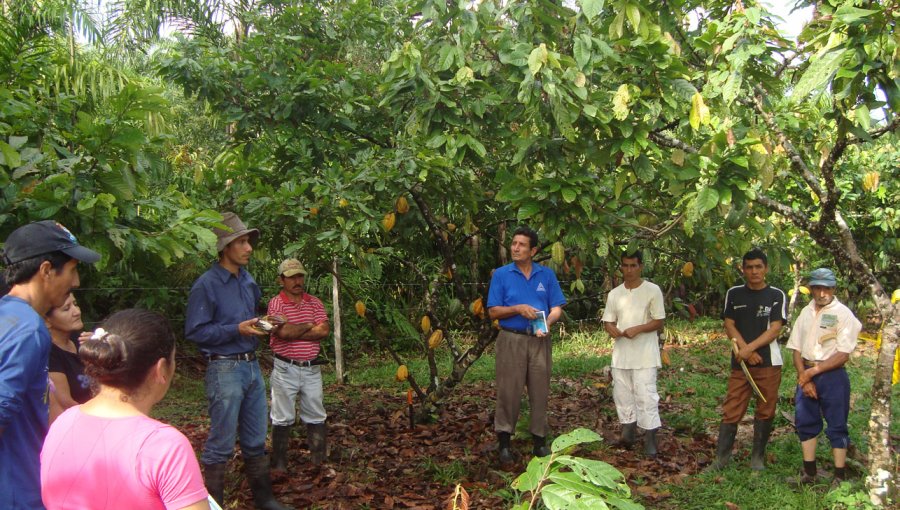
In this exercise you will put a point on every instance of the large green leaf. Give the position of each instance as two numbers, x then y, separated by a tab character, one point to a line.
533	476
591	8
559	497
582	50
10	156
575	437
818	74
850	14
707	199
528	210
597	472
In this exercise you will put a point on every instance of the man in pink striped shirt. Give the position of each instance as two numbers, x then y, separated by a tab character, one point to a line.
297	371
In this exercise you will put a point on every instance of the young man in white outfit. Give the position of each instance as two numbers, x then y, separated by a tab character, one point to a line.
633	315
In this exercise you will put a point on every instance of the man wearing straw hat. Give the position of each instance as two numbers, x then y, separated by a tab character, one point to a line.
221	320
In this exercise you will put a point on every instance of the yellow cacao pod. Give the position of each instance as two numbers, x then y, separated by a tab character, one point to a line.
478	307
665	358
804	290
451	227
434	341
425	324
389	220
361	309
559	253
895	296
402	205
496	324
687	270
402	373
870	181
895	378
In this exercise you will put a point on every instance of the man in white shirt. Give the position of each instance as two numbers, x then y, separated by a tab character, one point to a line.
823	337
633	315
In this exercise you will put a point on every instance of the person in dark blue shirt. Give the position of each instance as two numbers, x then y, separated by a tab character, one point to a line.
221	320
526	299
40	260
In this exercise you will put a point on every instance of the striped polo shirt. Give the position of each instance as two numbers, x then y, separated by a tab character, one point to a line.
309	310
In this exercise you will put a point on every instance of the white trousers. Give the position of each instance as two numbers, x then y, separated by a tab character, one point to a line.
634	391
289	382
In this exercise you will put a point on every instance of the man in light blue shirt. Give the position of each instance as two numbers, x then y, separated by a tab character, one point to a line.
520	292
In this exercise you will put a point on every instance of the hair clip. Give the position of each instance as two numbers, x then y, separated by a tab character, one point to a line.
99	334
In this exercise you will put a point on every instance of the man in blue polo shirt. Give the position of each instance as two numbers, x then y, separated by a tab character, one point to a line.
40	260
221	320
521	292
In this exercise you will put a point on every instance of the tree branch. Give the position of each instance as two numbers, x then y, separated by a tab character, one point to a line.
893	126
673	143
777	207
793	154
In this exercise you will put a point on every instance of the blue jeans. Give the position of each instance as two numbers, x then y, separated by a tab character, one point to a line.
833	404
236	394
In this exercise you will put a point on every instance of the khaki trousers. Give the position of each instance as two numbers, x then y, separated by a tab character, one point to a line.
522	361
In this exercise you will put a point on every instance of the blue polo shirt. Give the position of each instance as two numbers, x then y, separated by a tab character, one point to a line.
24	352
218	302
509	287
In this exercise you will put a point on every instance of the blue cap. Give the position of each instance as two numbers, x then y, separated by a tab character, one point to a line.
822	277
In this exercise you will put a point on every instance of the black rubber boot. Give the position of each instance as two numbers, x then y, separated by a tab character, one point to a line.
761	431
214	479
540	448
650	443
506	456
727	431
281	437
629	432
316	434
257	471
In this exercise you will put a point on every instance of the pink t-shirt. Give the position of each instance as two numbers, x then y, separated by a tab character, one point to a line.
100	463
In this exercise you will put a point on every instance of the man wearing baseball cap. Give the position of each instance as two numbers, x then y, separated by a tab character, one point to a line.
40	262
296	372
221	320
823	337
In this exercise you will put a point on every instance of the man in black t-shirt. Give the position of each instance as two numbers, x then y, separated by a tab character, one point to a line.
754	313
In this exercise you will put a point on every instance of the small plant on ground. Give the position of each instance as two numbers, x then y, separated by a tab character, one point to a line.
564	481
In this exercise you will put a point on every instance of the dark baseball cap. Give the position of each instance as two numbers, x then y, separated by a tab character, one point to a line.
42	237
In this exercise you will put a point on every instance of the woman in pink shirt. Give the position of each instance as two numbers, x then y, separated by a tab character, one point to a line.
108	453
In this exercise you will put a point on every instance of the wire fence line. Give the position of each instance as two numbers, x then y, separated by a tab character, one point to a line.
186	289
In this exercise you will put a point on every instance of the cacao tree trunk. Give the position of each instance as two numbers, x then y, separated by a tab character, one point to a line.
883	466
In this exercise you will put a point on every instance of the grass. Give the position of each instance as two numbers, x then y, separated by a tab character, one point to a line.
691	390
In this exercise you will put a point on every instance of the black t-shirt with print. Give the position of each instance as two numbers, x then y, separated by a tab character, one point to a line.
752	311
